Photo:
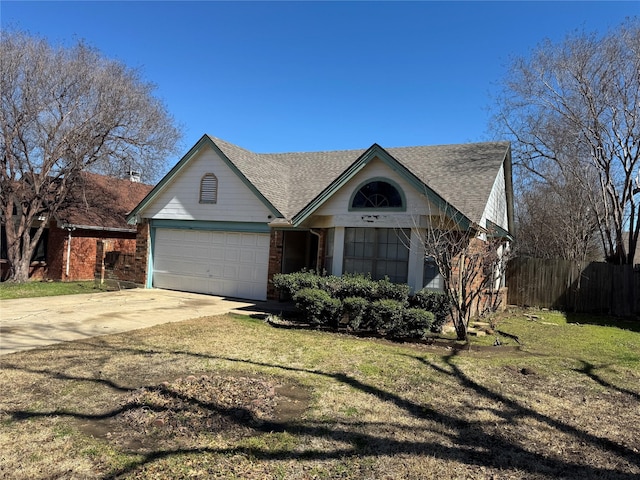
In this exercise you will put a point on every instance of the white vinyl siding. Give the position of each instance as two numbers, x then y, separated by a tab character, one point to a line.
180	198
230	264
496	208
339	203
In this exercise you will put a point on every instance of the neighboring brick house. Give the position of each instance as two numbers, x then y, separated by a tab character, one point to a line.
90	228
224	220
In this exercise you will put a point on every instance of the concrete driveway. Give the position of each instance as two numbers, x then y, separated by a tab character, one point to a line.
34	322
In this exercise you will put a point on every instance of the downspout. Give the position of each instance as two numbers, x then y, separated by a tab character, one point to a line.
68	251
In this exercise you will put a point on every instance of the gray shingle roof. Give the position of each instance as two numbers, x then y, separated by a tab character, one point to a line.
463	175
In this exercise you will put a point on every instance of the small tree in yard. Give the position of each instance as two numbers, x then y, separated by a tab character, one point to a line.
64	111
472	265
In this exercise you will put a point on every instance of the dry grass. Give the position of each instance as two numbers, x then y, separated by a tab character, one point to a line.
370	409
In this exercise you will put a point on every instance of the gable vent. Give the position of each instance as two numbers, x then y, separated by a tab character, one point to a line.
209	188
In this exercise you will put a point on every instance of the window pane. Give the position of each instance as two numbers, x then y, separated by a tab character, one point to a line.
431	277
349	235
328	257
378	195
349	249
370	234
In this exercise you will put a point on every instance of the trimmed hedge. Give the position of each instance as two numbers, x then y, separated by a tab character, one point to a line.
355	285
291	283
415	324
385	315
380	306
318	306
386	289
435	302
356	309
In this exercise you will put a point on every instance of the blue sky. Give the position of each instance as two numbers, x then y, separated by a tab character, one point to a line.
305	76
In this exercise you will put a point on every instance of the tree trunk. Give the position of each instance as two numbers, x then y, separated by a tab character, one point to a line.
19	271
20	248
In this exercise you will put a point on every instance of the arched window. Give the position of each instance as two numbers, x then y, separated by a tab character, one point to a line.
377	194
209	188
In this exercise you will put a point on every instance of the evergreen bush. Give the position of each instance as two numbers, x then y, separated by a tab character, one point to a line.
355	285
386	289
355	308
385	315
437	303
415	324
289	284
318	307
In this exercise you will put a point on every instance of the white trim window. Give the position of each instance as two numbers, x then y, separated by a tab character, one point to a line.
381	252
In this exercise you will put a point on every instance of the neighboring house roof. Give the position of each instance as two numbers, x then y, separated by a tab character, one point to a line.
294	184
101	202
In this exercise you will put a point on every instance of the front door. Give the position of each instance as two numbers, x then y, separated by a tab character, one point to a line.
300	251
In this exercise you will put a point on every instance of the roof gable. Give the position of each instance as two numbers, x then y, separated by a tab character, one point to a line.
375	151
226	151
457	178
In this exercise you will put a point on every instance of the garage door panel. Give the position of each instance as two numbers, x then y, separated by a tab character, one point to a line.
221	263
231	254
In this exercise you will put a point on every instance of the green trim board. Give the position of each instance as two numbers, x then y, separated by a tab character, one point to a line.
247	227
508	184
152	246
376	151
244	179
496	231
204	140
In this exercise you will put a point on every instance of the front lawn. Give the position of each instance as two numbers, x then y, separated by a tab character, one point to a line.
232	397
10	290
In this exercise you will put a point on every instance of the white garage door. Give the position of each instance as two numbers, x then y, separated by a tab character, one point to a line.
230	264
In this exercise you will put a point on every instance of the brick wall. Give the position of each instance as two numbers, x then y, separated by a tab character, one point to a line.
143	243
276	244
84	251
477	254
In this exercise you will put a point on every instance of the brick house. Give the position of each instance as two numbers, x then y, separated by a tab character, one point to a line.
90	228
224	220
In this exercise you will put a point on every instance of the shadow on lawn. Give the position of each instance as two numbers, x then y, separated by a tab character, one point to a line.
468	442
589	369
624	323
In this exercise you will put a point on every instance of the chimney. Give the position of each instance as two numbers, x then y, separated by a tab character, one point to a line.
134	176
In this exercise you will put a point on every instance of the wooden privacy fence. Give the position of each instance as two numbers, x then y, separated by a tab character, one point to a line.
569	286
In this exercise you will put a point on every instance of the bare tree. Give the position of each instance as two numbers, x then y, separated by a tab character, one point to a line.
64	111
573	110
471	262
556	220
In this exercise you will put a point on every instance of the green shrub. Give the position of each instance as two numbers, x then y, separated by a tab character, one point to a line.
386	289
415	324
318	307
385	315
288	284
437	303
355	285
355	308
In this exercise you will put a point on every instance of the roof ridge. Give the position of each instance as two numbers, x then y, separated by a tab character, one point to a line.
462	174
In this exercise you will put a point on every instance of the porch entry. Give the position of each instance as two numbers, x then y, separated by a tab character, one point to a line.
300	251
